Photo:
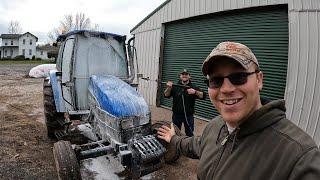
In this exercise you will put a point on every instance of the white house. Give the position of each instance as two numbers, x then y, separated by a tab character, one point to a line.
42	51
18	44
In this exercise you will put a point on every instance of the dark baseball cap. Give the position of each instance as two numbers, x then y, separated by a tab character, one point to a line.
184	71
235	51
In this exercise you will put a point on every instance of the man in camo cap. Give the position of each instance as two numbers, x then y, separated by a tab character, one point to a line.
250	139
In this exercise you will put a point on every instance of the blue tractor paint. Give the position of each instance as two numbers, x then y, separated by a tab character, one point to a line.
57	92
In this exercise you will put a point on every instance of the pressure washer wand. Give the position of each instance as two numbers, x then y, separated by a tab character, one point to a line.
178	85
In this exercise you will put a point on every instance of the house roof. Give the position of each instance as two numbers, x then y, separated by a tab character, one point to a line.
13	36
11	46
10	36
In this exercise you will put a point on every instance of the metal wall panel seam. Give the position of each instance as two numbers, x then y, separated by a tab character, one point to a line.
303	72
178	9
166	13
203	7
315	80
296	58
148	61
305	89
187	12
288	90
155	69
317	59
143	65
192	8
313	71
141	32
297	4
152	67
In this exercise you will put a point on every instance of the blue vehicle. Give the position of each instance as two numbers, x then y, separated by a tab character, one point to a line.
94	83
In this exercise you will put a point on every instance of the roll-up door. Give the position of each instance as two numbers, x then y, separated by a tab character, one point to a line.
189	41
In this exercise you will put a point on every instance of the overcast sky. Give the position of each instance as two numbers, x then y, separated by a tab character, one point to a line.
41	16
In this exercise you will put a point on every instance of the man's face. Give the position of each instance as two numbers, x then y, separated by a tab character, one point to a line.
184	77
235	102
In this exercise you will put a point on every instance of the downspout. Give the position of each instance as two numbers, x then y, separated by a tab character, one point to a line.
131	59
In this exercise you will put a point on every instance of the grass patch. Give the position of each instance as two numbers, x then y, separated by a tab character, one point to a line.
26	61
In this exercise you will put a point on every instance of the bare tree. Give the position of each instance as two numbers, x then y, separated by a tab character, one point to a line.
70	23
14	27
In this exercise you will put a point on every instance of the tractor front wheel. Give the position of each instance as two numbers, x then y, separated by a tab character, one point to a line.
66	161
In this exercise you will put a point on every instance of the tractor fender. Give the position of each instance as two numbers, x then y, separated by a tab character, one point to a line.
57	91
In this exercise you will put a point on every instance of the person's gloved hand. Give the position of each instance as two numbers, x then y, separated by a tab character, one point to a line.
166	133
191	91
169	84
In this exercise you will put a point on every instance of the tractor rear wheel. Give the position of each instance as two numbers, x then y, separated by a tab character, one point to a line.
172	154
66	161
50	112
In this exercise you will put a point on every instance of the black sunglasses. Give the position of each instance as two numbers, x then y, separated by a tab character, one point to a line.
238	78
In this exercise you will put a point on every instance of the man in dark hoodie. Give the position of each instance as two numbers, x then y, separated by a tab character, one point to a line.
251	139
184	95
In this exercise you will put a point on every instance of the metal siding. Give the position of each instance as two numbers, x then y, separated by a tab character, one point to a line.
187	43
316	106
148	63
302	68
192	8
169	7
302	95
208	6
202	7
307	76
292	64
297	4
312	75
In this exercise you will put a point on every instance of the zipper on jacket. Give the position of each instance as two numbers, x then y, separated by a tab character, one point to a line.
220	153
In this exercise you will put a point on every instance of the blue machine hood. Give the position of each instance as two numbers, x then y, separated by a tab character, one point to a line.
117	97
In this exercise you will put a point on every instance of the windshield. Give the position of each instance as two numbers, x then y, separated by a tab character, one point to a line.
102	56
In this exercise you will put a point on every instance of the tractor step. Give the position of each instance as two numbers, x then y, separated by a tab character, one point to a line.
64	122
60	134
149	148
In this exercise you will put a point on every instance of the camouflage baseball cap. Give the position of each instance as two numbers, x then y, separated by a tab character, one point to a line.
239	52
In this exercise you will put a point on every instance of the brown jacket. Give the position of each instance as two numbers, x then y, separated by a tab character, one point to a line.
265	146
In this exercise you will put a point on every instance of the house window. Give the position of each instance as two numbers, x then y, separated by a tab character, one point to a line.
11	52
23	52
30	51
6	43
41	53
11	42
5	52
23	41
30	41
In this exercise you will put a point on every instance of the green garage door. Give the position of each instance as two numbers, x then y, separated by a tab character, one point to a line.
264	30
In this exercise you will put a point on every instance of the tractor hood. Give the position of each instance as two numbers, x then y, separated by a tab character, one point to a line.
117	97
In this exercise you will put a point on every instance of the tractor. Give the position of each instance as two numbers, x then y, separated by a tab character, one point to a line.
94	83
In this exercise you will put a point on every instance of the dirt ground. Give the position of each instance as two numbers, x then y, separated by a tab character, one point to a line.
25	150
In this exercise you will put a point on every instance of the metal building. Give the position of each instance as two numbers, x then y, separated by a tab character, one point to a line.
284	35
